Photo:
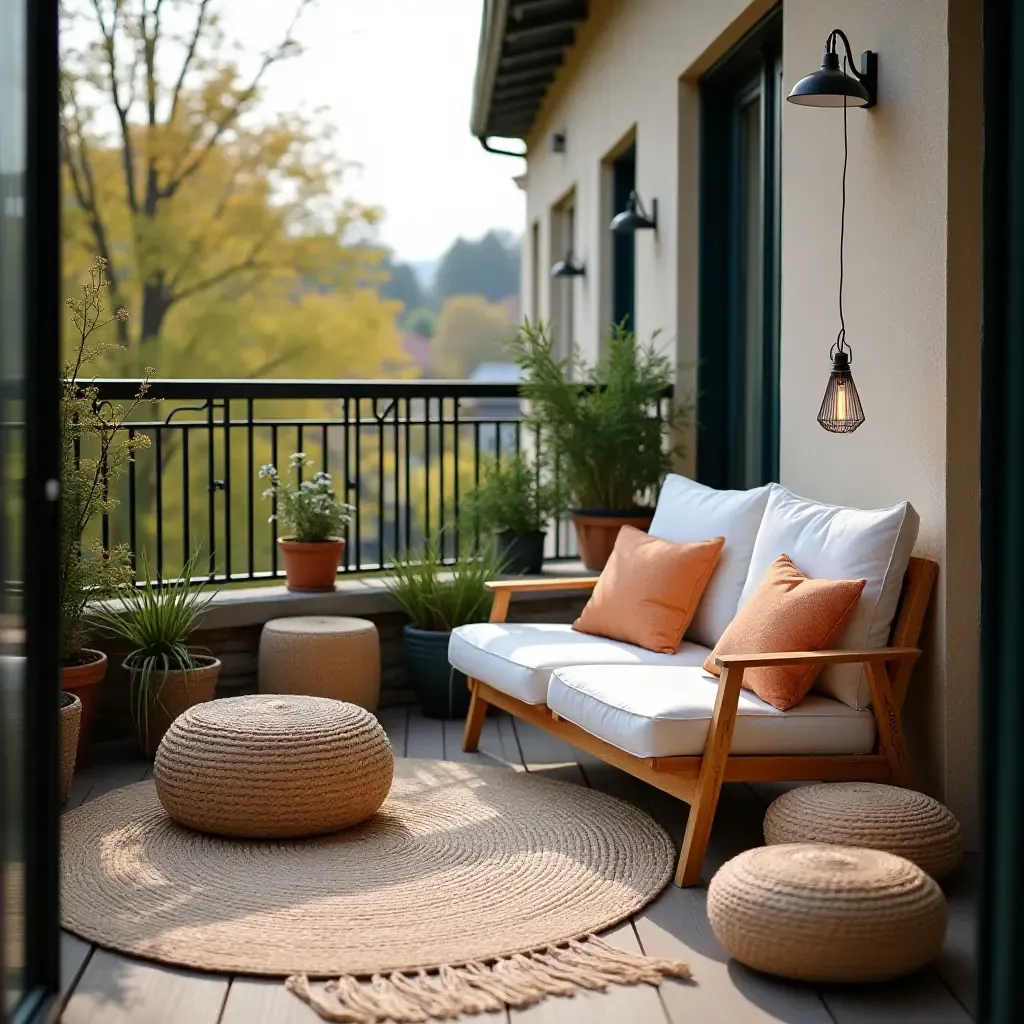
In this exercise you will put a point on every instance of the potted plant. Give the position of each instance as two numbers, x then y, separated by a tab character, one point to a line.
437	598
516	499
166	676
313	518
94	453
608	428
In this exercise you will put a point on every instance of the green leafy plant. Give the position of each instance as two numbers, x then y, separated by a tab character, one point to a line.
608	426
309	510
439	596
515	494
157	622
95	451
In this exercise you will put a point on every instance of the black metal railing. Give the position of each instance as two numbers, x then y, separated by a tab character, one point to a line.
403	453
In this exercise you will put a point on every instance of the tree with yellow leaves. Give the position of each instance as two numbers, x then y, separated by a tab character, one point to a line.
225	230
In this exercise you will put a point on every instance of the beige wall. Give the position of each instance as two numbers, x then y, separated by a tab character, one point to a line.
912	295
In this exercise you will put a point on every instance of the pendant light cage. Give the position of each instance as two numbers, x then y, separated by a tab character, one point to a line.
841	411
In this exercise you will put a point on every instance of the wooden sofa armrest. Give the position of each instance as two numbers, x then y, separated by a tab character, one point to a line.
504	589
880	654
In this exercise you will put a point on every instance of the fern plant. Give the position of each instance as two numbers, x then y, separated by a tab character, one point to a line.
608	425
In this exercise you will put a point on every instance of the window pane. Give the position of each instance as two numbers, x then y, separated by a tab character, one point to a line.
12	462
752	264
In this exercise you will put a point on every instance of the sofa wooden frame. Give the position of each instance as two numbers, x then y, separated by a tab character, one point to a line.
698	780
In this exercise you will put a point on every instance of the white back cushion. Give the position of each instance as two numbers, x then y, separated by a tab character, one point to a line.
688	511
835	543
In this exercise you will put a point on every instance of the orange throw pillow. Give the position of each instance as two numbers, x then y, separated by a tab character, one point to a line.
649	590
787	613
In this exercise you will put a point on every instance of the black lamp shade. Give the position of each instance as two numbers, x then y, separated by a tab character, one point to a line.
568	268
634	217
830	87
841	411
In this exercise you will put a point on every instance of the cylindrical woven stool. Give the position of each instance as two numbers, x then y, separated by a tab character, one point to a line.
827	913
899	821
273	767
321	656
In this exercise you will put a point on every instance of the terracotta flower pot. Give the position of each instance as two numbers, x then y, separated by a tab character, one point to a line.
173	693
596	530
70	722
311	566
82	681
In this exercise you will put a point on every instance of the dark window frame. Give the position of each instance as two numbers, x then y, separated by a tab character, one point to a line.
751	68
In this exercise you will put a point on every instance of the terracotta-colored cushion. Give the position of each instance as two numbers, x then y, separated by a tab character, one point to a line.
649	590
788	612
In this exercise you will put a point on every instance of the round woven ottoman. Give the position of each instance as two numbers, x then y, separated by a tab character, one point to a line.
899	821
273	767
321	656
827	913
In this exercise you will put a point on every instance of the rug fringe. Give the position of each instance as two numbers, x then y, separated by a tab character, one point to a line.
520	980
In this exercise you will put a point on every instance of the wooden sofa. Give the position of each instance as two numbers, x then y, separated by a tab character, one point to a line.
697	779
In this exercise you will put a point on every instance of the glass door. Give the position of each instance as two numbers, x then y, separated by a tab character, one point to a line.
29	493
739	322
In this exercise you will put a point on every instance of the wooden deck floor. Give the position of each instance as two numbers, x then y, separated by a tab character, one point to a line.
100	986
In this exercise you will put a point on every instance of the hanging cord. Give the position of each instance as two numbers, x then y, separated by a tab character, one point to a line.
840	344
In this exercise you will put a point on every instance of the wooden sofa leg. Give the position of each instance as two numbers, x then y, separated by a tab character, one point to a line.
474	718
695	841
709	781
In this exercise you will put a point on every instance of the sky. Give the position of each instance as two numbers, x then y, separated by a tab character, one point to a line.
396	77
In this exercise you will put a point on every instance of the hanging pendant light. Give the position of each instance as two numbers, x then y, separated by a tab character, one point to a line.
841	411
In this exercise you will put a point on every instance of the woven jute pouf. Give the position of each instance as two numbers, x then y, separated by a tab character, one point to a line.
827	913
888	818
273	767
321	656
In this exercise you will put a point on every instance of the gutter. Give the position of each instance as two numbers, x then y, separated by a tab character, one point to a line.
492	32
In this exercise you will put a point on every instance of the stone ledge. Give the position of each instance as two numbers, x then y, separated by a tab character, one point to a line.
252	606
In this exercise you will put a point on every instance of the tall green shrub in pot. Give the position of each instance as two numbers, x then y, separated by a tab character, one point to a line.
515	500
437	597
95	451
609	427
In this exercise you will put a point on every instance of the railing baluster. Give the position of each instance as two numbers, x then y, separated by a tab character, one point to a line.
359	487
348	485
250	489
211	503
441	516
227	489
132	530
159	487
273	503
476	480
408	475
397	405
380	484
426	470
186	491
455	481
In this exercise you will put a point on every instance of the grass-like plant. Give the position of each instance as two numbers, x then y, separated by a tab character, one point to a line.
438	596
515	494
309	511
157	622
608	425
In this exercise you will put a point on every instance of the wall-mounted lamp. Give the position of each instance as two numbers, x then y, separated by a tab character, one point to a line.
832	86
558	142
634	217
841	411
568	267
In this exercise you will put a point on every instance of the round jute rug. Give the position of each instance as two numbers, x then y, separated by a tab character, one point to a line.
463	864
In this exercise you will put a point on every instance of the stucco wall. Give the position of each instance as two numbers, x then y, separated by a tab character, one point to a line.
912	296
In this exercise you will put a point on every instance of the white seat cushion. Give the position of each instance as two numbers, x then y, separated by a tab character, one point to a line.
518	657
835	543
689	511
659	711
